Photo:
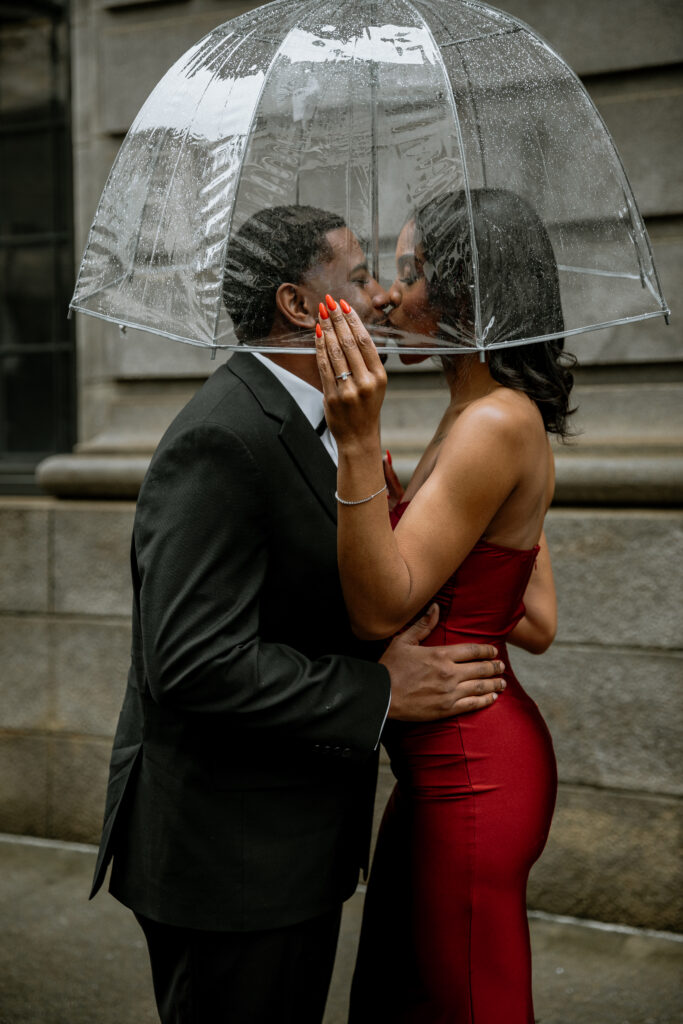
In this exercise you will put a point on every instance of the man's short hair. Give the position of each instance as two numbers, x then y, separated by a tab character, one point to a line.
272	247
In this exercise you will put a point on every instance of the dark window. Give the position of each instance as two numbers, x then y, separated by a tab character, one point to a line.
37	358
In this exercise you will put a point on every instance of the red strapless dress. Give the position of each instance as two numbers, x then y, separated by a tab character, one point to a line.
445	938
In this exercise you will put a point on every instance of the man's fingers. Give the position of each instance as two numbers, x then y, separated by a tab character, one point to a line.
464	705
461	653
472	697
485	669
416	633
479	687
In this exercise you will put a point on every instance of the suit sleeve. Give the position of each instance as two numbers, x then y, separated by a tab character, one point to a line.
201	552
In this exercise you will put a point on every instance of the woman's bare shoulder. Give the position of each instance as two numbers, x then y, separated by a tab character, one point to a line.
500	415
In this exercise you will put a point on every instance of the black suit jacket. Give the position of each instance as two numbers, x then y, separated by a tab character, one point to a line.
243	768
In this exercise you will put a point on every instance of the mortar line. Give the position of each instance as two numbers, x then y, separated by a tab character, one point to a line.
54	844
603	926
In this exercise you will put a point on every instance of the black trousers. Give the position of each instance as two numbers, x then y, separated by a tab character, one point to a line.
281	975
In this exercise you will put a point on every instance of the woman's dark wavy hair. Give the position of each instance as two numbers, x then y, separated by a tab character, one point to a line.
518	285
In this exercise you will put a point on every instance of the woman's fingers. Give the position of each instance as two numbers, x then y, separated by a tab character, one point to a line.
364	343
341	344
353	394
325	368
342	325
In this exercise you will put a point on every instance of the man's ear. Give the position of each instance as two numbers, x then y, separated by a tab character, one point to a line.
292	303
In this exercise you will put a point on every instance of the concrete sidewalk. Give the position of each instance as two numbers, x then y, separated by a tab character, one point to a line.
66	961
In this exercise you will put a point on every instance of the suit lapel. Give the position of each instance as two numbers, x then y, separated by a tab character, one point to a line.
306	450
296	433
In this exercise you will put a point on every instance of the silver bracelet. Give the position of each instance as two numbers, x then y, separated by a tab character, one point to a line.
362	501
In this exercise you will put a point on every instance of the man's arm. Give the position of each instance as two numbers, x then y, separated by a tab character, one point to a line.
201	549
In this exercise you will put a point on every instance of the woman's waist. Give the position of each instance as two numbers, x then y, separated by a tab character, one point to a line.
472	625
449	634
512	702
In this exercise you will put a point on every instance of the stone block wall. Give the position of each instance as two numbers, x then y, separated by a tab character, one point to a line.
609	689
65	599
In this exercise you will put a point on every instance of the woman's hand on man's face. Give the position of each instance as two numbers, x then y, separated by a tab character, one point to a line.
352	374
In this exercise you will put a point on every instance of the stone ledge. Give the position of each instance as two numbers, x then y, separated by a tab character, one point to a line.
92	476
614	478
600	478
623	479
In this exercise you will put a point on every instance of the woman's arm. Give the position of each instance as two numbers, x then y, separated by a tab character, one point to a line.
388	576
536	631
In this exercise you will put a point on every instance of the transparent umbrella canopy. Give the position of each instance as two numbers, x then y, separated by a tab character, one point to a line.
450	117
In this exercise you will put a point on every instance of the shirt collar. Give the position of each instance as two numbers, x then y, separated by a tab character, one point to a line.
308	398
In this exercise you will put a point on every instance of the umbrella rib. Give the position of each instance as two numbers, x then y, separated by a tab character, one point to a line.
636	220
350	134
516	26
481	35
238	180
109	284
598	273
466	182
417	350
374	169
181	150
134	247
475	113
521	25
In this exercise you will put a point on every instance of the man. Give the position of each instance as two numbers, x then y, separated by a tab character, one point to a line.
244	764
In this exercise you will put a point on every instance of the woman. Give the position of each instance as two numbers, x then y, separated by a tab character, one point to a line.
445	936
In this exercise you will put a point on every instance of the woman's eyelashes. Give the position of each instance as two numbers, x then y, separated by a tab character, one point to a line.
407	272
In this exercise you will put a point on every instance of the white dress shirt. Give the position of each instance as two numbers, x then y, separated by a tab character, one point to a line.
310	401
308	398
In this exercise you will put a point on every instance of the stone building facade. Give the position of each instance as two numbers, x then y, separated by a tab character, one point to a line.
610	687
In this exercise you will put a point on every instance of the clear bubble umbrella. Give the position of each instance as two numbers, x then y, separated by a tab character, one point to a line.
451	117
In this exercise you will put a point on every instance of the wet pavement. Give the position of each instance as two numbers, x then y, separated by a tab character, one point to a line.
64	960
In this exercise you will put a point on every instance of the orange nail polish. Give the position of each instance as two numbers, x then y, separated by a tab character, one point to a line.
318	331
345	306
324	315
331	304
